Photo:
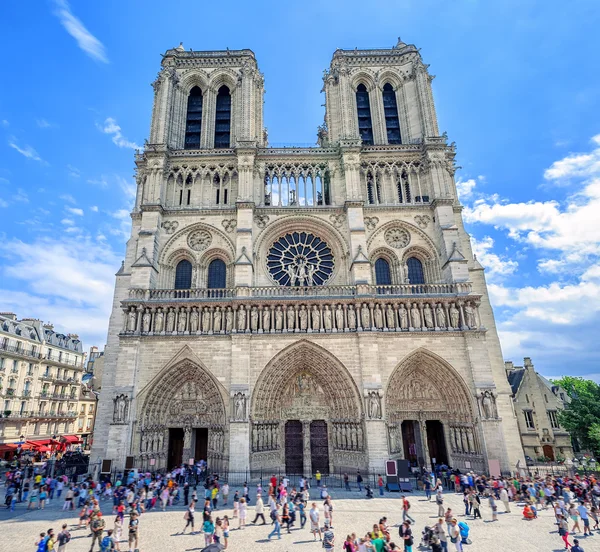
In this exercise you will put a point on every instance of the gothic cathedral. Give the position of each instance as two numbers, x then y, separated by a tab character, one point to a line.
301	308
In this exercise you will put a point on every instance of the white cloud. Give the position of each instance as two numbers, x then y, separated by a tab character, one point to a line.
67	197
111	127
102	182
26	150
67	222
21	196
128	187
465	188
85	40
121	214
576	164
43	123
94	208
497	266
74	172
74	211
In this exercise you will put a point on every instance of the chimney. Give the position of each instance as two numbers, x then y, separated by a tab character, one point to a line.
9	315
48	326
527	362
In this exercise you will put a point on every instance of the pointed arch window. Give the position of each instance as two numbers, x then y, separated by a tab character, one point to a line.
193	122
392	122
217	274
183	275
223	119
363	108
415	271
382	272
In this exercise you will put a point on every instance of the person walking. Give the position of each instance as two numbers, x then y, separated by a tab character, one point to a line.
189	516
405	509
493	506
427	486
504	499
208	528
406	536
359	480
97	525
243	509
218	530
574	514
563	530
277	522
225	493
314	515
455	537
134	529
380	484
63	538
225	531
576	547
476	505
328	538
439	500
259	510
584	515
440	532
346	482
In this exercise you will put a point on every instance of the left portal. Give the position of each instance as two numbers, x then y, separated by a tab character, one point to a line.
176	438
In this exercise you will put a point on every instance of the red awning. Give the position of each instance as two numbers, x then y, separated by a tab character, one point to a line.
42	443
8	447
72	439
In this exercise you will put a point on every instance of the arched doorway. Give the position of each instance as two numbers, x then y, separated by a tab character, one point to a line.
183	417
430	414
307	414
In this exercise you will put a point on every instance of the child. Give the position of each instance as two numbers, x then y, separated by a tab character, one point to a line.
236	504
242	511
225	523
208	528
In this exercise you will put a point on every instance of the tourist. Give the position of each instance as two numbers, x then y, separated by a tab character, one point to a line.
346	482
33	499
285	516
439	500
563	530
349	545
476	504
277	521
41	543
406	535
225	493
528	512
440	532
189	516
574	514
236	504
405	509
504	499
259	510
134	526
454	534
427	487
380	484
243	508
314	515
318	478
328	538
108	542
576	547
218	530
493	506
208	528
97	525
328	511
63	538
359	480
225	523
594	515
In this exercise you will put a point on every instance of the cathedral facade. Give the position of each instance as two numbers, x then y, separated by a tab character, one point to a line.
296	309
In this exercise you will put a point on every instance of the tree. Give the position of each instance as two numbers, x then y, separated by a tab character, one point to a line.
581	417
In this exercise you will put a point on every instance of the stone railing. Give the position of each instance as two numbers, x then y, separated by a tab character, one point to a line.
312	314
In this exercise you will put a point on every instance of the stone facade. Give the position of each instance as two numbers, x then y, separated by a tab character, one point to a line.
40	380
301	308
537	402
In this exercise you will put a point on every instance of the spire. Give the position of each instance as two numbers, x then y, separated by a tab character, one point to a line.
400	44
180	47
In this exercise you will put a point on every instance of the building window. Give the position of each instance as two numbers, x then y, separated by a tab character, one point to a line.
223	119
553	419
217	274
562	396
545	397
91	409
529	419
527	398
382	273
193	123
415	271
183	275
82	409
363	108
392	123
403	187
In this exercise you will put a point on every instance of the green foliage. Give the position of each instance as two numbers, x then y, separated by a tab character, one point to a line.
581	418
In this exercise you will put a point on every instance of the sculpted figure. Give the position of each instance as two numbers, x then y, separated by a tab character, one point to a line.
241	319
254	319
353	437
403	315
378	316
159	320
454	316
428	315
365	316
132	316
486	403
146	321
389	316
316	318
327	318
441	316
194	320
240	407
170	321
182	322
374	405
351	317
359	437
415	316
470	316
291	318
303	317
266	317
405	278
291	272
278	318
206	320
339	317
217	320
228	320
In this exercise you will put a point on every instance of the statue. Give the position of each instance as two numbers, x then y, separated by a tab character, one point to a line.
194	320
146	321
374	406
470	316
454	316
428	316
316	318
254	319
351	317
120	409
405	278
415	316
291	273
291	318
441	316
488	405
217	320
241	319
278	318
132	316
365	316
378	316
389	316
327	319
403	317
239	403
206	320
182	323
266	319
310	272
228	320
303	317
301	273
170	321
339	317
159	320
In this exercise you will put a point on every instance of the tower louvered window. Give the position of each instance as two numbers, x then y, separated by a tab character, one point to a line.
223	119
193	123
363	108
392	122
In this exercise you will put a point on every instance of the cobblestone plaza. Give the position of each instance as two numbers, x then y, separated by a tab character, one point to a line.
351	514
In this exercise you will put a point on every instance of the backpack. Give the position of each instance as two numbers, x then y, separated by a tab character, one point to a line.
106	543
273	515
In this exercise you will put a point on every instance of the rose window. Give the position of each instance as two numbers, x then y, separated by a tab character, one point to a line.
300	259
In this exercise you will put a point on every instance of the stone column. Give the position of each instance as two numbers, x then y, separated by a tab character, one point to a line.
306	448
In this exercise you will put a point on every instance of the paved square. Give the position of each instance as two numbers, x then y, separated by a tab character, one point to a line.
158	530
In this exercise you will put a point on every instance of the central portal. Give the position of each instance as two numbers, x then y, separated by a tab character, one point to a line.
319	446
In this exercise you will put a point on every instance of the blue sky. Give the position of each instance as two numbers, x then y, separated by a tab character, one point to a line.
517	88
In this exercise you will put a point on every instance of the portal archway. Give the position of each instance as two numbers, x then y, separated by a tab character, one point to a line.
430	414
183	416
306	402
